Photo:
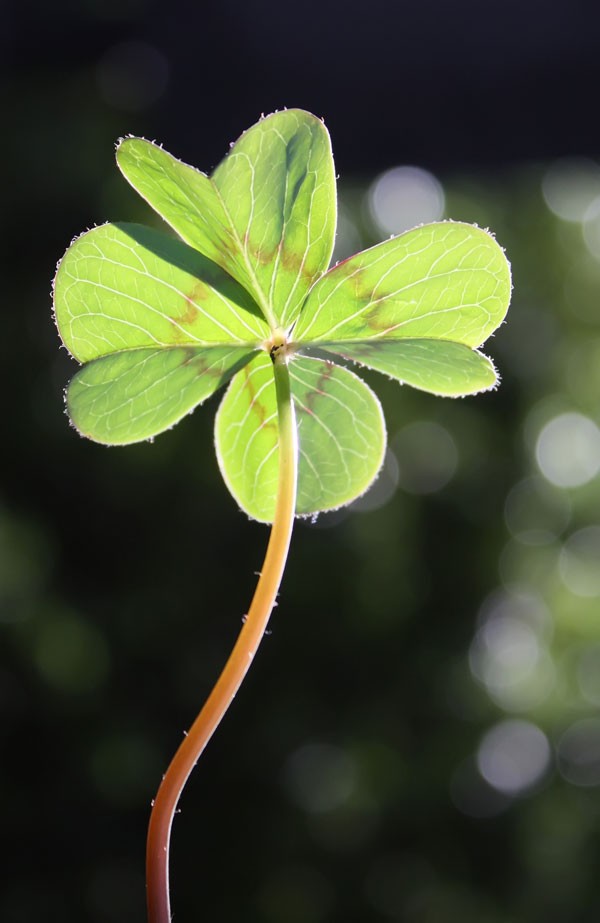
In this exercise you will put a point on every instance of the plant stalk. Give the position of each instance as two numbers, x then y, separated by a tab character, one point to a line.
219	700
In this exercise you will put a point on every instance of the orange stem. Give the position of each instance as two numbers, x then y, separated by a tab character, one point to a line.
219	700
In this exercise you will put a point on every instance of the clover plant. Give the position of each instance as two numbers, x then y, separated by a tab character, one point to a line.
244	295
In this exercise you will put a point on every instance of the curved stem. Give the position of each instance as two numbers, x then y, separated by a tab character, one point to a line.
165	804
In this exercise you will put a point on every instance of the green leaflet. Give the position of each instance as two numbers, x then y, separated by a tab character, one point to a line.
123	286
438	366
268	214
286	217
187	200
246	434
447	281
341	435
135	394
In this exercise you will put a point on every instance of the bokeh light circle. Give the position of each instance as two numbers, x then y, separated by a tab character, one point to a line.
513	756
568	450
404	197
569	185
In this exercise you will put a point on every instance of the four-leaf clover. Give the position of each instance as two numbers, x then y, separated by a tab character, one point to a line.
161	323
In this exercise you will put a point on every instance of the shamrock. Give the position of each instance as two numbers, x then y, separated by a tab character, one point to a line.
159	324
244	295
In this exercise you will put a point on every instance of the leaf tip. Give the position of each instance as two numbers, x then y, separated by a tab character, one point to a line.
122	138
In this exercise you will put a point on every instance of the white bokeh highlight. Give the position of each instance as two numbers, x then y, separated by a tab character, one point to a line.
568	450
514	756
509	654
570	185
404	197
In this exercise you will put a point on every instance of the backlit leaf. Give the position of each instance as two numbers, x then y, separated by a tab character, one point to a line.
341	435
246	433
123	286
267	215
187	200
438	366
162	323
278	186
138	393
448	281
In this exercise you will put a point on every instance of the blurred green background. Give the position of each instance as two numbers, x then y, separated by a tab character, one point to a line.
419	738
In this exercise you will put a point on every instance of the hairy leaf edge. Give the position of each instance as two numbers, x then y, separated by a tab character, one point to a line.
466	224
330	509
363	365
224	384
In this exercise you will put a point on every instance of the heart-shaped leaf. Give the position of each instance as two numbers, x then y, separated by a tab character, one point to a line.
137	393
438	366
286	219
123	286
447	281
341	436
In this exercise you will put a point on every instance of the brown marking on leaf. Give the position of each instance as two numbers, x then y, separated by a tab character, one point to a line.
202	367
327	373
177	334
355	281
226	240
190	314
200	292
318	390
382	317
255	404
294	262
261	255
189	355
201	364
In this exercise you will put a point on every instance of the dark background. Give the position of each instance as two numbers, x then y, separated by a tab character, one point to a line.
344	784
